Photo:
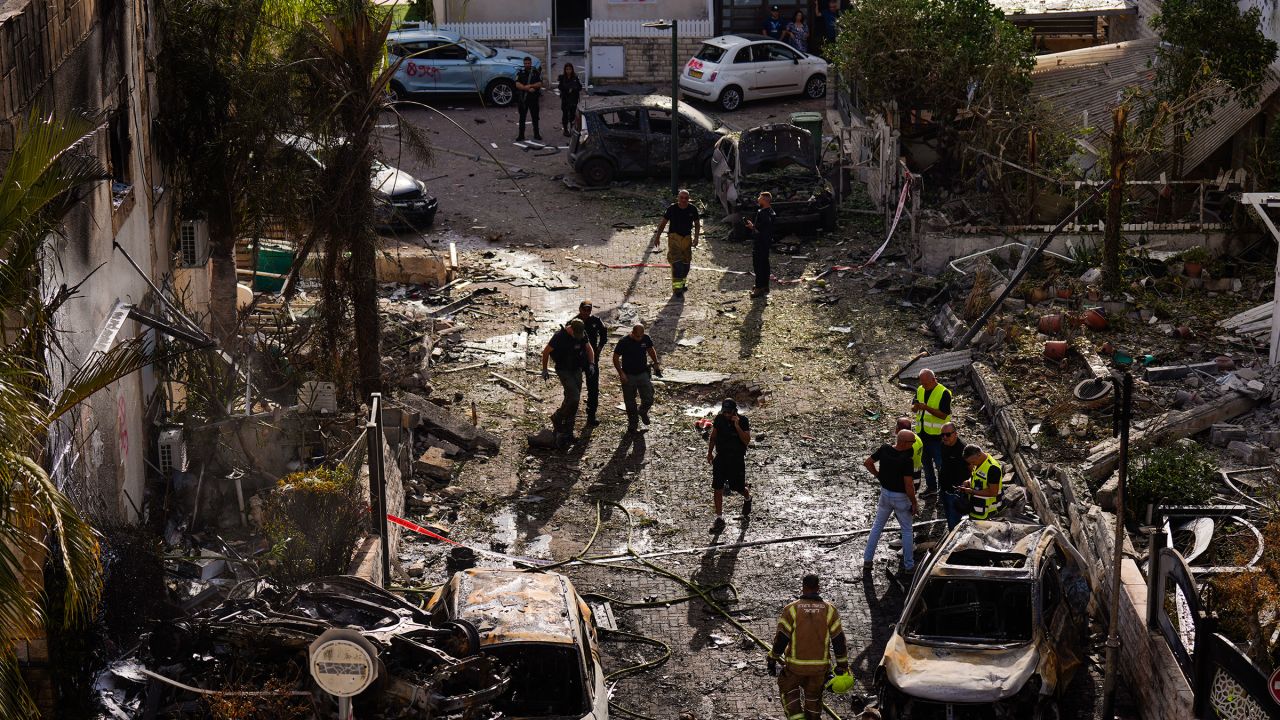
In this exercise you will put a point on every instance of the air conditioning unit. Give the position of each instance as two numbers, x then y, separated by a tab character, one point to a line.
193	242
172	451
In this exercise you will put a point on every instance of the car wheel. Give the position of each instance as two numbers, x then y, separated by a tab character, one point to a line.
396	92
501	92
730	98
465	636
597	171
816	87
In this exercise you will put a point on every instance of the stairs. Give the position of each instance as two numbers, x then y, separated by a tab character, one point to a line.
569	46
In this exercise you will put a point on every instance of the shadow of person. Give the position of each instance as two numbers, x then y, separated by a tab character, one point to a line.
751	328
664	325
714	575
883	610
615	477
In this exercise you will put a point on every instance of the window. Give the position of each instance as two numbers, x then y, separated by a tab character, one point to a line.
660	122
744	56
408	49
447	51
710	53
621	120
774	52
1050	593
972	610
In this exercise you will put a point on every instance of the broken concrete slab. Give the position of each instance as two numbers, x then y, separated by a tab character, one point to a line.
940	364
444	424
448	448
693	377
1271	438
1248	316
1223	433
947	326
433	464
1249	453
1174	372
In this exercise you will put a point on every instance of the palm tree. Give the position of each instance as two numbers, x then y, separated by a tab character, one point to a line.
38	524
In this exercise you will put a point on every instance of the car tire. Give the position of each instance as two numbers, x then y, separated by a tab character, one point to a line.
500	93
730	98
396	92
816	87
466	635
597	172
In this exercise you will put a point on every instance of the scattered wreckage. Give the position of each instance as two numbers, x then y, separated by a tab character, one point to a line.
496	643
995	626
778	158
631	136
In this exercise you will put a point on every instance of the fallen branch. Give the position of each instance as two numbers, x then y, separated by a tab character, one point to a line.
513	385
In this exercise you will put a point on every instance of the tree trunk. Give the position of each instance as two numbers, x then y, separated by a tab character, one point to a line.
222	282
1115	203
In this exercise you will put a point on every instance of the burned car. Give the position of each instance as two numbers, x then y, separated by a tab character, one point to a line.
994	626
537	626
778	158
631	135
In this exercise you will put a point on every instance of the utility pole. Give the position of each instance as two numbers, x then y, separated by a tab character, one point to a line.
1115	201
674	27
1124	406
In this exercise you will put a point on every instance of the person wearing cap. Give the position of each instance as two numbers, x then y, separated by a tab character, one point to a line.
686	226
597	335
774	24
809	634
631	358
727	453
569	348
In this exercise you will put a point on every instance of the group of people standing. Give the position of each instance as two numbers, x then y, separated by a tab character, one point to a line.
684	228
529	86
796	31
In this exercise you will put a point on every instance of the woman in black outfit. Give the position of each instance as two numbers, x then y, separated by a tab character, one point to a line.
570	89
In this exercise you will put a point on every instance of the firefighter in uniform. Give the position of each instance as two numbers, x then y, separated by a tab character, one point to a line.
985	483
806	629
933	410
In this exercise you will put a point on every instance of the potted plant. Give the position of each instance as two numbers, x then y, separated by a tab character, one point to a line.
1193	260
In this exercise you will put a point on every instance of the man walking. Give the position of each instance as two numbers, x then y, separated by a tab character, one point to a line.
984	484
806	629
686	227
762	242
897	496
953	473
569	348
933	410
727	453
597	334
631	358
528	96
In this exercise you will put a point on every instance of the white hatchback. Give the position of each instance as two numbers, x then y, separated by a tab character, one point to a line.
733	68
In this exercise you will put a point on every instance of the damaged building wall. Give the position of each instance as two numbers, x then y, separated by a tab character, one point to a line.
646	59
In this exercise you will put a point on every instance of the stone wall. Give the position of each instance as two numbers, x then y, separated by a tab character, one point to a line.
1147	665
647	60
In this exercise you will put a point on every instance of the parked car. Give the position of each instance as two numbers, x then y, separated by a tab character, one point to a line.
731	69
995	626
631	135
446	62
538	626
402	200
778	158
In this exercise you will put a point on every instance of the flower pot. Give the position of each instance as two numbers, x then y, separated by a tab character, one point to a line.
1064	293
1056	349
1050	324
1192	269
1095	320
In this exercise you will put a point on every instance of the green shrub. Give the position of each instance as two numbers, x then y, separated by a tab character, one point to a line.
314	520
1180	474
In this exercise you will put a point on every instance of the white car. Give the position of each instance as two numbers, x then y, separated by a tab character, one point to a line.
731	69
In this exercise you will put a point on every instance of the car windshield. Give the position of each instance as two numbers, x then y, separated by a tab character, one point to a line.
480	49
546	680
698	117
710	53
972	610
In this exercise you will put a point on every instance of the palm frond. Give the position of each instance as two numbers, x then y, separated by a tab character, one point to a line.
15	702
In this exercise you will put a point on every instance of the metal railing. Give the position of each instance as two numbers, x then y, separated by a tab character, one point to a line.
519	30
696	28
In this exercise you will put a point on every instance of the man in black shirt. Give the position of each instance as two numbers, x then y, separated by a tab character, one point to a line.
686	226
727	453
953	473
569	348
597	334
774	24
897	495
762	242
631	359
528	95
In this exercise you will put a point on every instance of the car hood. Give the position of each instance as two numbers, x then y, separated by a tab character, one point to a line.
958	675
515	57
391	181
775	146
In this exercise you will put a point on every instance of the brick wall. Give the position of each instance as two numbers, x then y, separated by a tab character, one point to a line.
35	39
647	60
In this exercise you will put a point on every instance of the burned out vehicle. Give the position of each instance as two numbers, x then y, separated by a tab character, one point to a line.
995	626
631	135
537	626
778	158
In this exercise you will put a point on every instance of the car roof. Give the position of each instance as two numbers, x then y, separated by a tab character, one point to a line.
609	102
994	550
410	35
512	606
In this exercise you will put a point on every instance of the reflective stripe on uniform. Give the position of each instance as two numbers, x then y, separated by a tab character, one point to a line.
831	626
983	507
927	422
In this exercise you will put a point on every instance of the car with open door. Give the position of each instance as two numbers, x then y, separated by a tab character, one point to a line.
994	626
631	135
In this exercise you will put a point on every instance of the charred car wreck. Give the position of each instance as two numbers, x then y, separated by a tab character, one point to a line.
780	159
995	626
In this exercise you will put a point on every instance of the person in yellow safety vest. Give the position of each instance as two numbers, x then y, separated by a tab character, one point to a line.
984	484
917	447
933	410
806	628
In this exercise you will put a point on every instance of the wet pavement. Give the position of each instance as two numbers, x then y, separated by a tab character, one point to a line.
817	396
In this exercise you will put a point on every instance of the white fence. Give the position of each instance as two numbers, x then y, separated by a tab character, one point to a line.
535	30
695	28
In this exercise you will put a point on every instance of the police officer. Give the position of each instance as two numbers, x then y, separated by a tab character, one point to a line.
597	335
933	410
806	629
528	95
762	243
984	485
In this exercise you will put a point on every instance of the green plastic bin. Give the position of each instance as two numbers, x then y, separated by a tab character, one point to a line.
811	121
275	259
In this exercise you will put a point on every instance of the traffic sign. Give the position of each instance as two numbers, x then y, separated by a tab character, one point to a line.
1273	684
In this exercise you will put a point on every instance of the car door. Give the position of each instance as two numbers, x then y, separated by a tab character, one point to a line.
625	139
453	72
415	71
778	70
1063	629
